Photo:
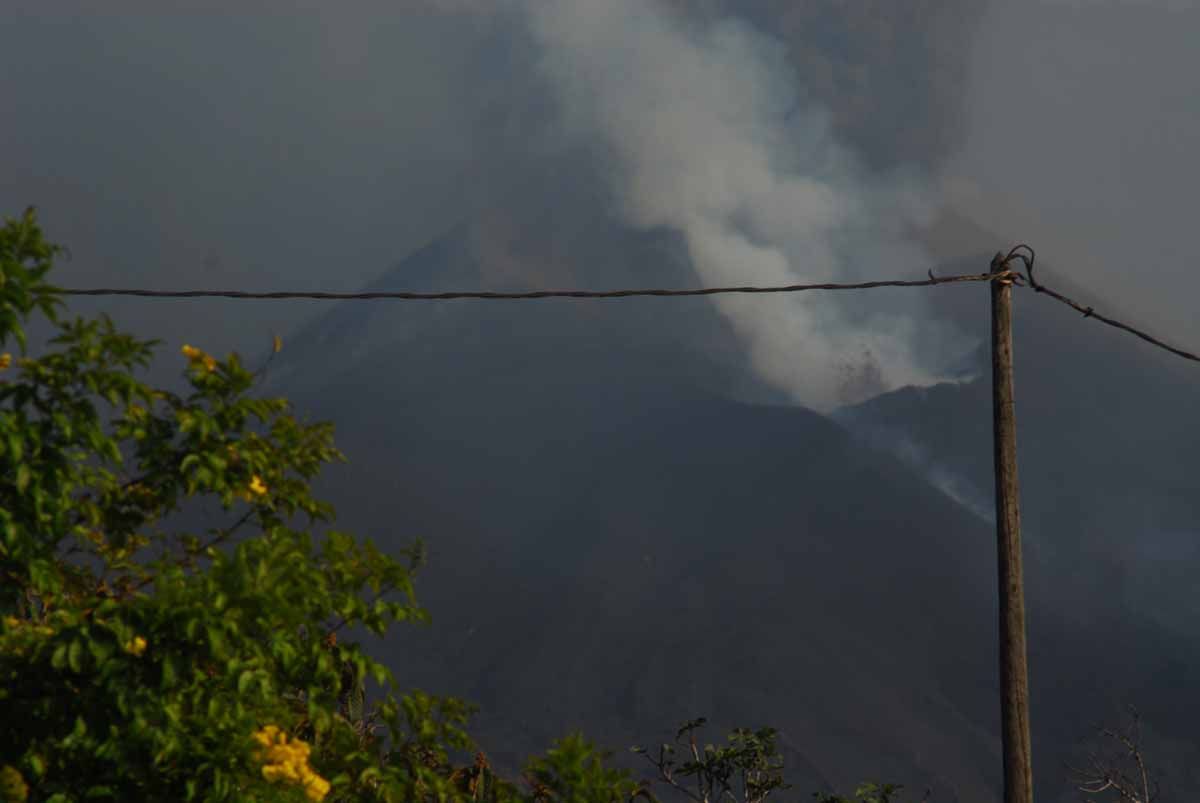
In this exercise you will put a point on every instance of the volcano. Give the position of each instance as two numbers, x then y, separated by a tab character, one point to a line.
627	530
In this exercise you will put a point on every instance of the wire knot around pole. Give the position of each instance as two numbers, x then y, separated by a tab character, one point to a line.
1001	273
1014	253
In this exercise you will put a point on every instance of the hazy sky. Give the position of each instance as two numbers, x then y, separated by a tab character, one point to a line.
1084	123
297	147
250	149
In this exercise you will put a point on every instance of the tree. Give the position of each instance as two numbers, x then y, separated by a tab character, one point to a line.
143	660
747	769
1118	770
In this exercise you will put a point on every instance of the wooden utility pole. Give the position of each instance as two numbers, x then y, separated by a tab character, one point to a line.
1014	673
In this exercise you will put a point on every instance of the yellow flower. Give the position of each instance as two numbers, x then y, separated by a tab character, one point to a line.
197	356
316	787
266	736
287	761
5	360
135	646
12	622
257	486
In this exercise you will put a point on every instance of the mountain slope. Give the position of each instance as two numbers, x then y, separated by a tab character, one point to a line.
616	547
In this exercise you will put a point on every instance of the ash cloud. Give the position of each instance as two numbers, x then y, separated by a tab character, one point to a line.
710	134
299	148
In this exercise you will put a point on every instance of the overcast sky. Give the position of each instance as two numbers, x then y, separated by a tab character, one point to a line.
291	146
1084	120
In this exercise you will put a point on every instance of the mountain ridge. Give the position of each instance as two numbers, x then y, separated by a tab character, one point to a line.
617	542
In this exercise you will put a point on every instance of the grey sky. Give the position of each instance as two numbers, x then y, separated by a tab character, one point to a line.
1084	124
250	150
310	147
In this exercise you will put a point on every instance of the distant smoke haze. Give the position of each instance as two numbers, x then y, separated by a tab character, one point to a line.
260	146
709	134
303	146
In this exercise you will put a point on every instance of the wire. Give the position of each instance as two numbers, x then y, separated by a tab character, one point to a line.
1088	312
1008	275
532	294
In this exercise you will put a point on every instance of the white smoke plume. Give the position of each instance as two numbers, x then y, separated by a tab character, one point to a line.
709	135
706	132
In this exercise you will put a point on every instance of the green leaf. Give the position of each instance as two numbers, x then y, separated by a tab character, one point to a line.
169	675
16	449
59	659
100	650
75	656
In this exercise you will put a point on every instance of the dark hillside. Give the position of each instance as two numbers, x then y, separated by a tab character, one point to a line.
616	547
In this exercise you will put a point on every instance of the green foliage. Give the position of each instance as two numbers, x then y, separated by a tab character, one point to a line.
747	769
573	771
141	659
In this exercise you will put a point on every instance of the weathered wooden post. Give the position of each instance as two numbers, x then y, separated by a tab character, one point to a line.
1014	673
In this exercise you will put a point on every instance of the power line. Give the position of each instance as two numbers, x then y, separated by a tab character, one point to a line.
532	294
1088	312
1007	275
